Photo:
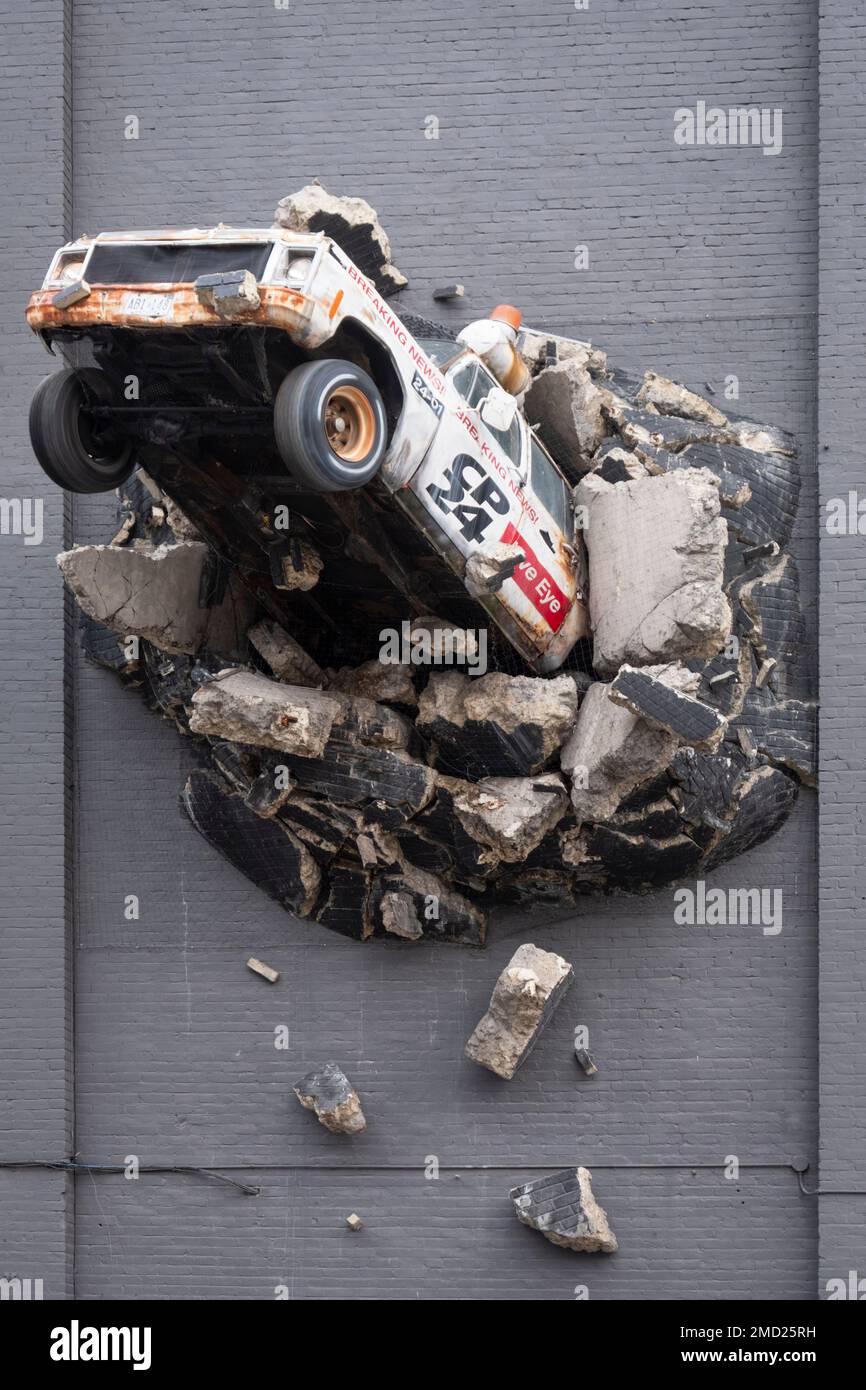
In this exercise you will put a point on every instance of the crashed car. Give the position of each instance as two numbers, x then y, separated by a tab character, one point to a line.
272	393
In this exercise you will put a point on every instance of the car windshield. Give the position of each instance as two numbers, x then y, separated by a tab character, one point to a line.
172	263
474	384
439	350
550	489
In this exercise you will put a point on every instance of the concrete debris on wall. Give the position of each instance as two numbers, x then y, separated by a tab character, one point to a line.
395	799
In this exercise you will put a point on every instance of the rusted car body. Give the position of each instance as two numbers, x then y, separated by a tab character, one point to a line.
195	375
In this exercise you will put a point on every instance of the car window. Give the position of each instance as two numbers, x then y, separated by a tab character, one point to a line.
474	383
549	487
439	350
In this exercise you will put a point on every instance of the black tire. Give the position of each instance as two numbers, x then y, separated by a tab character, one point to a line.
311	402
74	453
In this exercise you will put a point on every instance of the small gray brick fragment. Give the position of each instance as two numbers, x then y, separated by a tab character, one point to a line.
562	1207
329	1093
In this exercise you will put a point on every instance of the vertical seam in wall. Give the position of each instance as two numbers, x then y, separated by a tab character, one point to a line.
69	702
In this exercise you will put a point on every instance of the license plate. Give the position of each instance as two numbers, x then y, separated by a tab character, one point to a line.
148	306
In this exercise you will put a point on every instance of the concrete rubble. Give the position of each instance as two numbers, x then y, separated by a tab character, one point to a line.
524	999
156	593
401	797
353	224
332	1098
496	724
652	601
562	1207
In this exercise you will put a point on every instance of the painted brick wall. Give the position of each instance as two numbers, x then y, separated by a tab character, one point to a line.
842	614
555	130
35	982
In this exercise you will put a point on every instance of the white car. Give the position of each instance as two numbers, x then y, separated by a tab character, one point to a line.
222	360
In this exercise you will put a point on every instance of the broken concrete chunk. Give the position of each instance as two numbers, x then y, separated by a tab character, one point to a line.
540	350
377	680
656	565
435	641
785	731
355	774
671	399
511	815
407	902
266	851
298	567
496	724
611	752
266	971
329	1093
228	292
523	1002
352	223
585	1060
664	697
286	657
562	1207
368	722
248	708
566	406
486	571
154	593
354	1222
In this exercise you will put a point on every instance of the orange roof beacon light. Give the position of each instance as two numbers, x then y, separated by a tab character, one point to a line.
494	339
506	313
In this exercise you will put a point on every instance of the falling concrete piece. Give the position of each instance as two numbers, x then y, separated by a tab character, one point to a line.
566	406
354	1222
656	566
610	752
562	1207
248	708
523	1001
266	971
154	593
352	223
329	1093
585	1061
664	697
512	815
672	399
286	657
496	724
377	680
446	292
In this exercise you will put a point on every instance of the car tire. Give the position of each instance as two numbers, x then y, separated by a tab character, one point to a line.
330	425
64	440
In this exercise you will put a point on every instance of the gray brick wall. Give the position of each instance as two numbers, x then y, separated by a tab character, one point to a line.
842	617
555	129
35	994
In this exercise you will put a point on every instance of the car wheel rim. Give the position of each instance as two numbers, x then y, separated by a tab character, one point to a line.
350	424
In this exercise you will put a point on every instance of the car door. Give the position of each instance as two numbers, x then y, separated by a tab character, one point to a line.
475	484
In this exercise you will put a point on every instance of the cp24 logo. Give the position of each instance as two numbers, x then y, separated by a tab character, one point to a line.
476	514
